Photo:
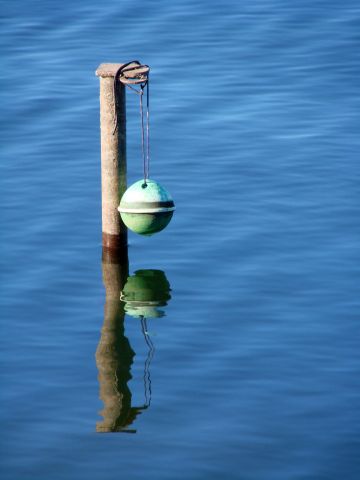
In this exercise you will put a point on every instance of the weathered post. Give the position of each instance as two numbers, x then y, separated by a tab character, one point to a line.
113	156
113	144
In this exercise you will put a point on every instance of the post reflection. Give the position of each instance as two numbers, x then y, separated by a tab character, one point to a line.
141	295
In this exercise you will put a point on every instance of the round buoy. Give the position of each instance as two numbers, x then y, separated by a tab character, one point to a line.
144	292
146	207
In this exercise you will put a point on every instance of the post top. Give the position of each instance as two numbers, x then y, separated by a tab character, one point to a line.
133	73
107	69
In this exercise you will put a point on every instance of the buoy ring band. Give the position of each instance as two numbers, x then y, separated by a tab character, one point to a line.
145	210
147	207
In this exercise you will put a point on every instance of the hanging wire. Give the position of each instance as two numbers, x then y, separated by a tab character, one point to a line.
147	379
145	144
148	126
131	73
143	132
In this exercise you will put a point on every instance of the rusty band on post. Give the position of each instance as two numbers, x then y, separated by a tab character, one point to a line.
114	241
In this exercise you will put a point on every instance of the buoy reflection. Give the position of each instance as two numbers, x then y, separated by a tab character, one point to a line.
142	295
145	292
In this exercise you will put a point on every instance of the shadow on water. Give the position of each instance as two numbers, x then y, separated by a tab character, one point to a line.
141	295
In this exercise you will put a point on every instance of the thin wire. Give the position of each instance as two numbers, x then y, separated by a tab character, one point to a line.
143	132
148	127
145	148
147	378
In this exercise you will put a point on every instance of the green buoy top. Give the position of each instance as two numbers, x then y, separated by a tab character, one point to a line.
146	197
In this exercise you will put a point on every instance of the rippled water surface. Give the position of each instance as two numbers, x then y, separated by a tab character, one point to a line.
250	368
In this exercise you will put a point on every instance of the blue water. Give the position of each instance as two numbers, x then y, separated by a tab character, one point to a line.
255	131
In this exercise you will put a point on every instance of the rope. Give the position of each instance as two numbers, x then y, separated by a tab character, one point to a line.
117	75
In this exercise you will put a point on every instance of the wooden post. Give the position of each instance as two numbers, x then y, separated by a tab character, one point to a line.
113	157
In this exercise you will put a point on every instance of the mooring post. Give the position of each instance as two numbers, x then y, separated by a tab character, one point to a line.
113	156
